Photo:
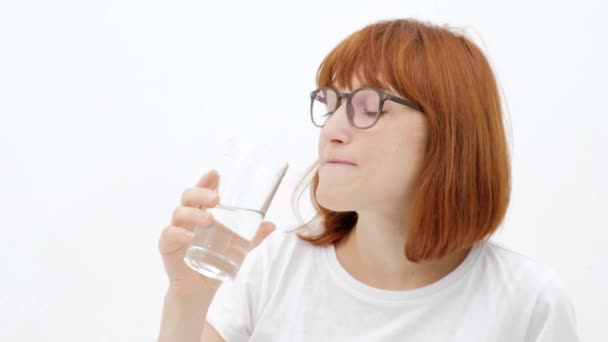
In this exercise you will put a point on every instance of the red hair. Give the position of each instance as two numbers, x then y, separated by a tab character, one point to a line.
463	190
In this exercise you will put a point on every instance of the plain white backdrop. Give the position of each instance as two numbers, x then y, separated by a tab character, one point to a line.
110	109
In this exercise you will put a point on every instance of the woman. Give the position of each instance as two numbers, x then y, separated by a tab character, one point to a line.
412	178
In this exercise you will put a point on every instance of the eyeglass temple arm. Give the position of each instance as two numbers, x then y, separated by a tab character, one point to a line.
403	102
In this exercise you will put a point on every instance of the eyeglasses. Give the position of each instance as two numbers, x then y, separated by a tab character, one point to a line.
363	105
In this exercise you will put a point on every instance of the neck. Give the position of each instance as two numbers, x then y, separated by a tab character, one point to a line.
374	253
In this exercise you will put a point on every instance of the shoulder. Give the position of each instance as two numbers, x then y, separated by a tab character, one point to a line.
516	267
283	238
271	265
281	246
535	288
531	273
517	276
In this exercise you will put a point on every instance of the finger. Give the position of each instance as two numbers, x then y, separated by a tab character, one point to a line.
265	229
209	180
173	239
189	218
199	198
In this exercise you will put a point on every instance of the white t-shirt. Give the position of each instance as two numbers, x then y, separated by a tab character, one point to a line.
290	290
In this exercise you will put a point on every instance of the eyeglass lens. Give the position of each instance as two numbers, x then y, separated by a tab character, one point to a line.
363	106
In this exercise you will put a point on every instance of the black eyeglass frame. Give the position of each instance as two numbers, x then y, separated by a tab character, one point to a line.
350	112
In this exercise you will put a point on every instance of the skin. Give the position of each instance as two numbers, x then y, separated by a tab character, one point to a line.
388	158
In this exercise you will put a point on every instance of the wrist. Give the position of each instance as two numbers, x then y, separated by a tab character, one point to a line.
185	310
206	288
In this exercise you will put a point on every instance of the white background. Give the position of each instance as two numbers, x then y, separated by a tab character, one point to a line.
110	109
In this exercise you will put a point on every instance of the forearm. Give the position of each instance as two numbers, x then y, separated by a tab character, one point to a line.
184	314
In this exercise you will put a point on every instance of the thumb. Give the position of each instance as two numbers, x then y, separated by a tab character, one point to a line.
265	229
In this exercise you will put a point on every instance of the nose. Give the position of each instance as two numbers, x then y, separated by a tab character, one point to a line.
337	128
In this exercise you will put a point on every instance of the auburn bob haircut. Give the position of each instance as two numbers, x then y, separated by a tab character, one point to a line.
463	189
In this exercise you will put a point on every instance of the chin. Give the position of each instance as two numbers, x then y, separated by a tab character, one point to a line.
334	200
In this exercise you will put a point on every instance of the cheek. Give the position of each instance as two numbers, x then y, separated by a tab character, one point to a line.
397	169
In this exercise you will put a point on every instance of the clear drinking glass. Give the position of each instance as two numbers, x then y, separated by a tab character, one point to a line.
249	178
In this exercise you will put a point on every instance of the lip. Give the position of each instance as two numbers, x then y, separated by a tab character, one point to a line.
340	162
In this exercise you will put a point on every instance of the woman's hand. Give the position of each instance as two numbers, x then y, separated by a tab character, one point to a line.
176	237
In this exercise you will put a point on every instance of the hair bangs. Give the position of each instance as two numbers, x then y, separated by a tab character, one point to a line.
375	58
